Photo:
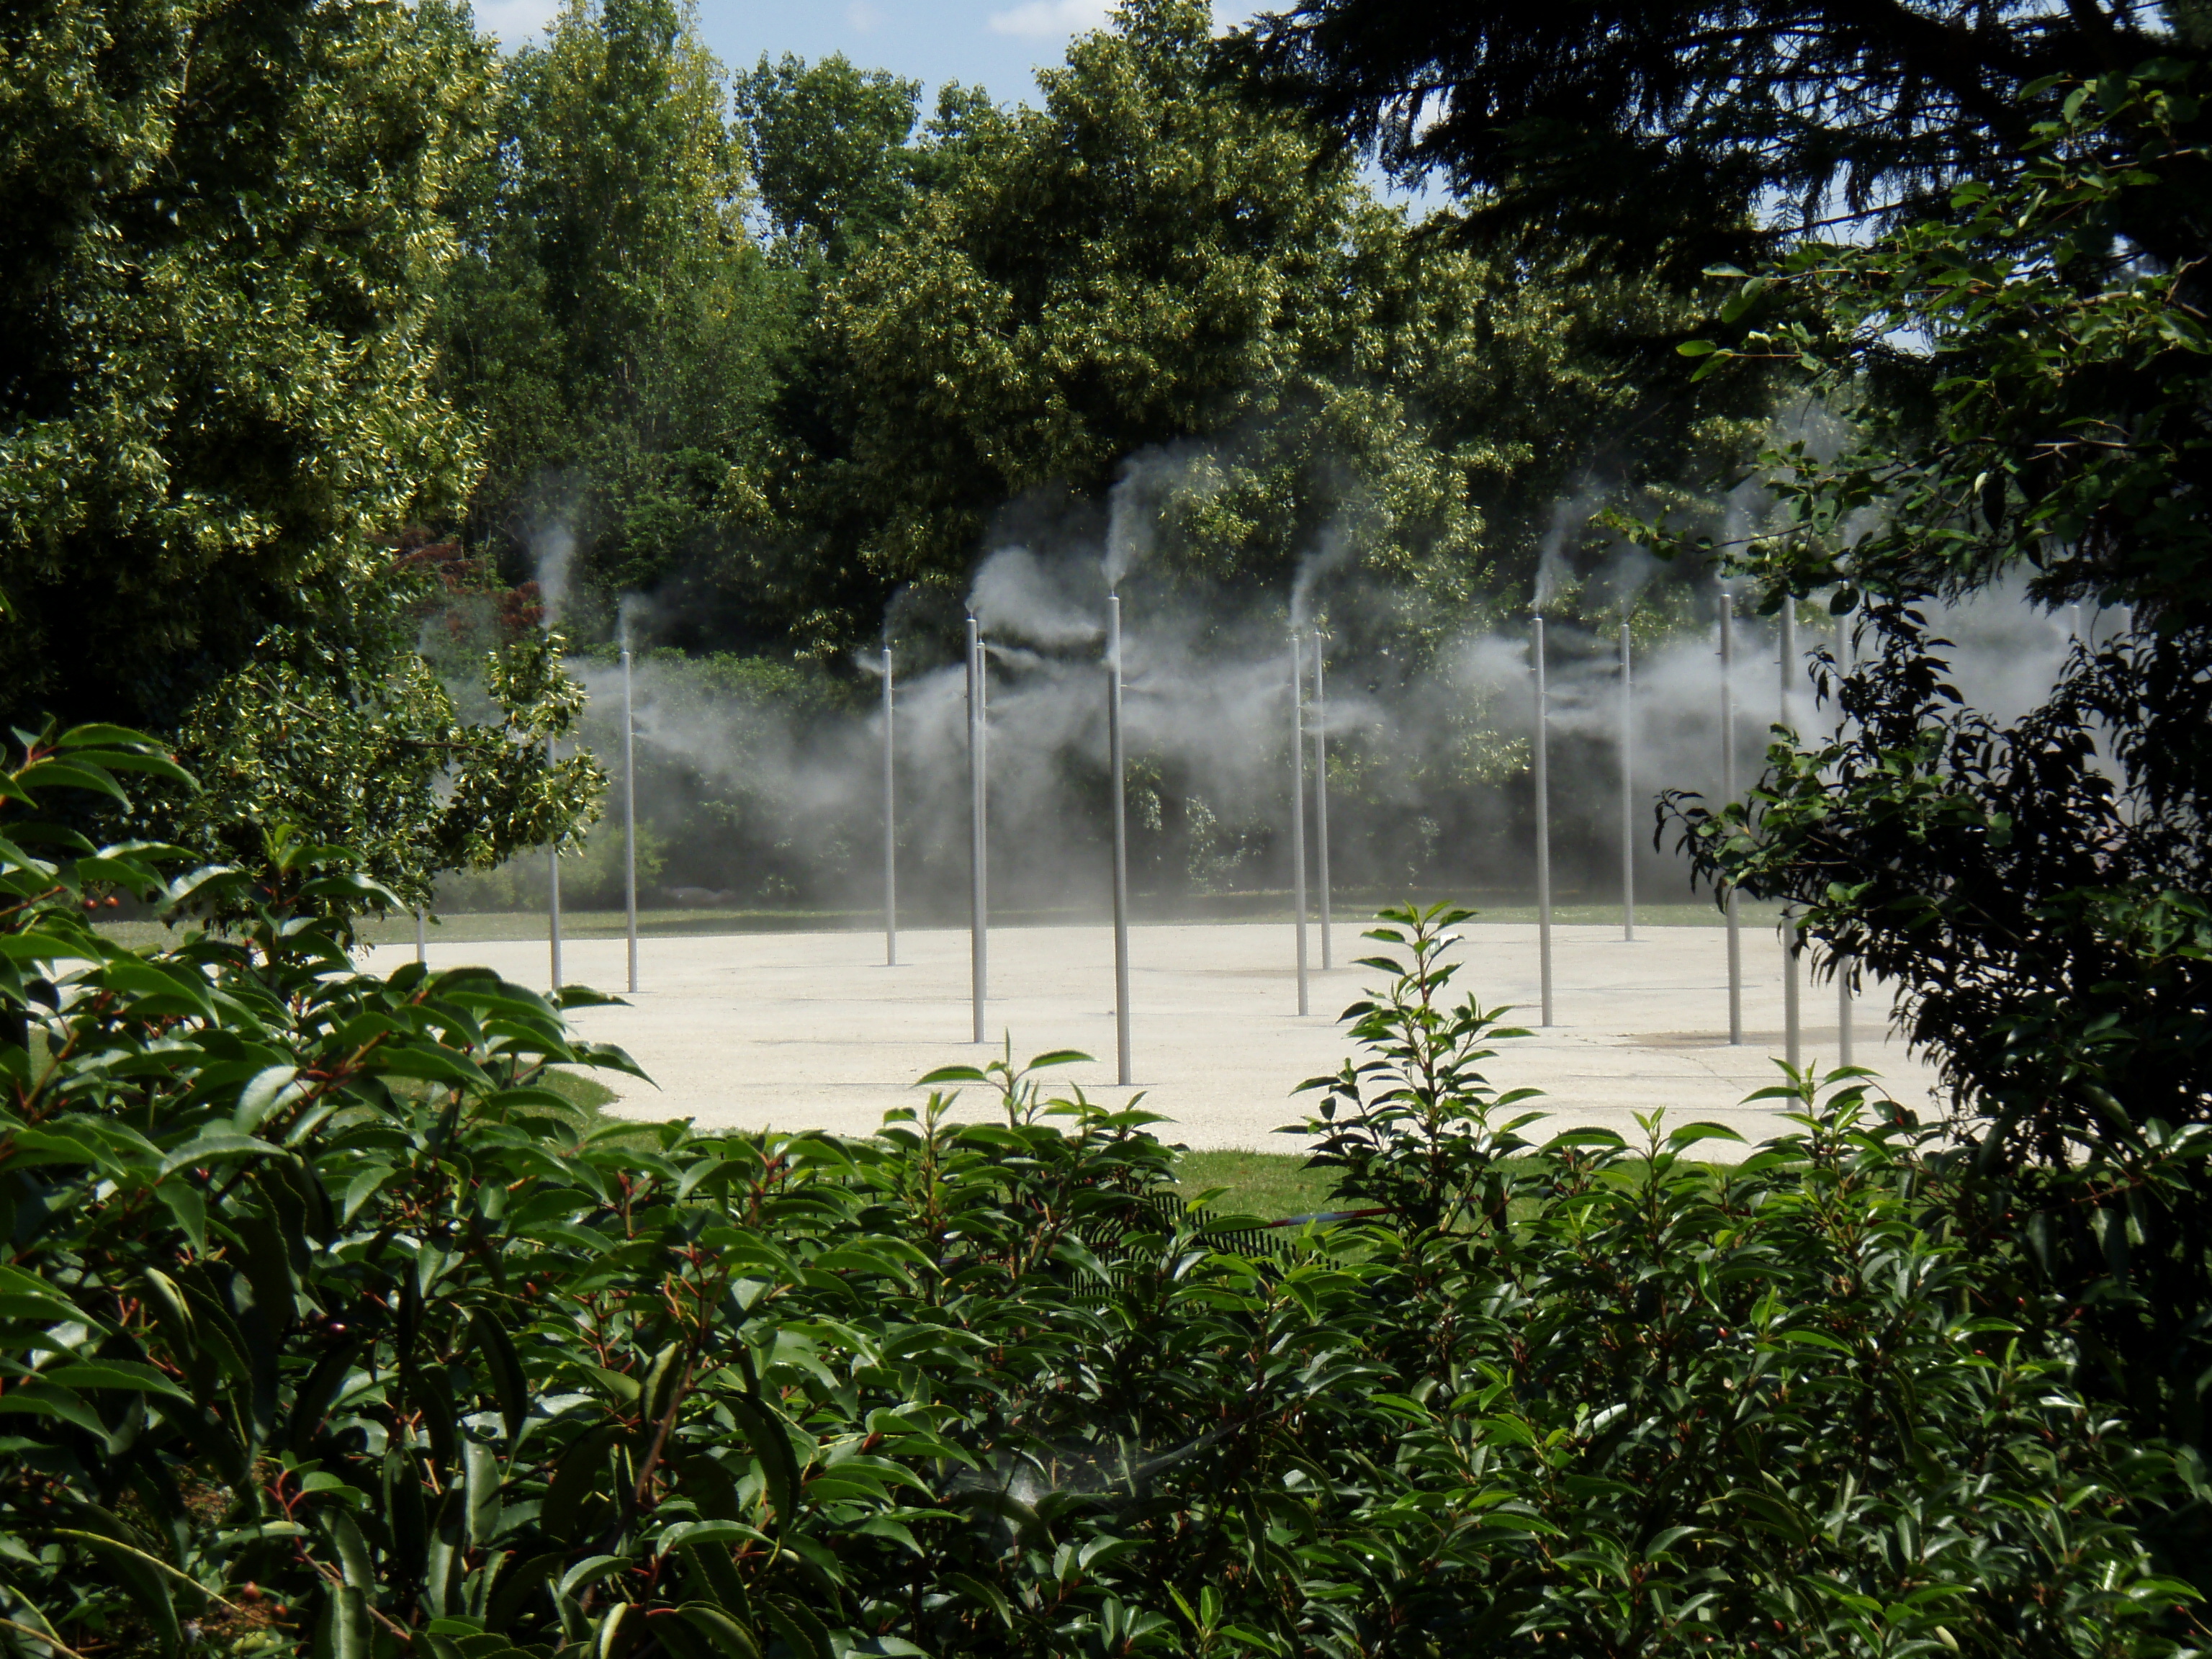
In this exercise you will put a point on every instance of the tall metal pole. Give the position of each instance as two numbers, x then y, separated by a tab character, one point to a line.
978	802
1543	827
1116	762
1627	789
1843	963
891	818
1298	805
629	817
1728	794
1320	798
1792	1023
553	887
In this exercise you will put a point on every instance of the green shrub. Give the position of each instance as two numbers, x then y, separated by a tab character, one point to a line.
328	1331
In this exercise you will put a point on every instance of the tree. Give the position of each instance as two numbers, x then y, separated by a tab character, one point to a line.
216	357
1153	261
827	148
839	164
1630	124
346	731
222	422
611	326
1145	260
2039	891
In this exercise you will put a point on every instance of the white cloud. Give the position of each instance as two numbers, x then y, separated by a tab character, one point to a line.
515	21
1043	20
864	17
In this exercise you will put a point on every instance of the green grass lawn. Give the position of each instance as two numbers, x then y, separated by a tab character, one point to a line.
587	1094
1271	1185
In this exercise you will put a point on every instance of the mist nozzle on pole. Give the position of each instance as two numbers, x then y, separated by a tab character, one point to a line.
553	885
1298	806
1116	765
1728	794
978	809
1793	1032
1627	789
1541	755
629	817
1320	796
1843	962
890	818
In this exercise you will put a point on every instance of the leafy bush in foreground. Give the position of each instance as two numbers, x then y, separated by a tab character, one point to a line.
327	1330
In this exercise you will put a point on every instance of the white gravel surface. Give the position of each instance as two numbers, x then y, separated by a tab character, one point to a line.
811	1030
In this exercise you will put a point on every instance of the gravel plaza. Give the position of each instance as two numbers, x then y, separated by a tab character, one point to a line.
801	1031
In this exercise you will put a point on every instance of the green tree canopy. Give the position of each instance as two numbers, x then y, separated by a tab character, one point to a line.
998	308
2036	889
226	224
220	426
1150	258
612	327
828	152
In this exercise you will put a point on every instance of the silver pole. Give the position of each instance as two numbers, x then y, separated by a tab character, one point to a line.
1728	794
1298	805
1543	829
553	887
1627	790
978	801
1115	764
422	937
1789	666
891	818
1792	1023
629	818
1321	798
1843	963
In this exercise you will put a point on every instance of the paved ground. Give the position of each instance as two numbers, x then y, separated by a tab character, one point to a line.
802	1030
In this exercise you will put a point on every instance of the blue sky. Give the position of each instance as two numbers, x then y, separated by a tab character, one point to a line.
997	44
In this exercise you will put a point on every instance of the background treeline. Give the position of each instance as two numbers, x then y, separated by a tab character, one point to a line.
774	347
766	363
344	352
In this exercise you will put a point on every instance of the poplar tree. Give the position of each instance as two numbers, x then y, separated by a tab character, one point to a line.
611	326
